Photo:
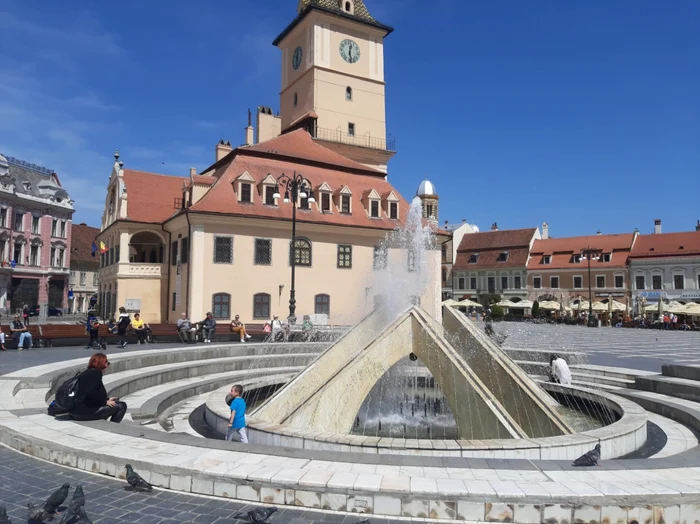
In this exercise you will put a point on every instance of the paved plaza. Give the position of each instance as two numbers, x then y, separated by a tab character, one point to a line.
24	478
645	349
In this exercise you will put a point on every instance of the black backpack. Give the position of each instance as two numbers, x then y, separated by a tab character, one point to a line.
67	393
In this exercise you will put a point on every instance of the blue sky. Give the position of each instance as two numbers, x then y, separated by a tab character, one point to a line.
584	113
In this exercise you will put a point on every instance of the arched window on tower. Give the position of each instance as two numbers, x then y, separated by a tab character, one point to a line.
348	6
348	94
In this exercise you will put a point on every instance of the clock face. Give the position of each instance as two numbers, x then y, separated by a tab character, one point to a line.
296	59
350	51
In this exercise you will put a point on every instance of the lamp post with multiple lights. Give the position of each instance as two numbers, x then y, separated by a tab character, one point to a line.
588	254
295	187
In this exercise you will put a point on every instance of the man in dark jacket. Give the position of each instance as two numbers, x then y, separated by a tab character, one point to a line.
208	326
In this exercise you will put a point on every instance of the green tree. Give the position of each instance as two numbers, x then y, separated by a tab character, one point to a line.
497	312
535	309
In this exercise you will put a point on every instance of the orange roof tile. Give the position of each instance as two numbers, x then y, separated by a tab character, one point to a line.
562	250
151	197
667	245
222	199
490	244
82	237
299	147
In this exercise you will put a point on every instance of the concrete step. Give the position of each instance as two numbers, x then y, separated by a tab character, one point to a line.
542	355
582	383
684	412
684	388
541	368
624	373
687	372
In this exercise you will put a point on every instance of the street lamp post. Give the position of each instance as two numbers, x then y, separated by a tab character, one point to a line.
588	254
295	187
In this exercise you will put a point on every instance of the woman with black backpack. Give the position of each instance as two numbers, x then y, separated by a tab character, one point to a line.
92	402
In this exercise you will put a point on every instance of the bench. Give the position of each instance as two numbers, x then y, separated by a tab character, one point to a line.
68	332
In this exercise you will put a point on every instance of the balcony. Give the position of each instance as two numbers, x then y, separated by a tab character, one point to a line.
339	137
145	269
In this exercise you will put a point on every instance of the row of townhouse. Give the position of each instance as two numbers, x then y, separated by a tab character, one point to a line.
526	264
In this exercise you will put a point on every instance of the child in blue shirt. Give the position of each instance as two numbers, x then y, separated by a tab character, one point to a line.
236	425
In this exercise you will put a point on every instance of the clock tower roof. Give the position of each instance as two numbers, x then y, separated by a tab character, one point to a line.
358	13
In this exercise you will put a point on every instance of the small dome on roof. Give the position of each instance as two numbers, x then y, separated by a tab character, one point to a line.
426	188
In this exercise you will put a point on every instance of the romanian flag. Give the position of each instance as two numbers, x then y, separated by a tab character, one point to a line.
103	248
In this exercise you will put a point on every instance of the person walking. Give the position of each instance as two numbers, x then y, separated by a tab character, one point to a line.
122	325
236	425
92	400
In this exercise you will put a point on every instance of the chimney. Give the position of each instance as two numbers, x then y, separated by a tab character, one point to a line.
223	149
249	131
657	226
545	231
697	226
464	221
494	227
598	232
193	171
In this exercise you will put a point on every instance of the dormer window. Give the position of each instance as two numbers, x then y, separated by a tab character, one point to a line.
244	187
304	203
547	259
374	209
246	193
473	258
348	94
393	210
503	256
343	200
607	257
576	258
348	6
373	201
270	195
325	202
269	185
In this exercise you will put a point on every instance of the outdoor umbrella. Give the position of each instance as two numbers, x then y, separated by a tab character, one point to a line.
599	306
468	303
449	302
692	309
505	303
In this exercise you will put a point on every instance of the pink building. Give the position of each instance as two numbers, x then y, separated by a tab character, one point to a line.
35	231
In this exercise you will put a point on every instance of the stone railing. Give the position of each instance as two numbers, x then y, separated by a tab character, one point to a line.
145	269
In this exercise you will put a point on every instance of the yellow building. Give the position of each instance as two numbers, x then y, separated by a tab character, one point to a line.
220	240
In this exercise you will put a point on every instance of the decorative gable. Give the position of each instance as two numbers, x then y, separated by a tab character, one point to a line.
373	203
325	200
243	186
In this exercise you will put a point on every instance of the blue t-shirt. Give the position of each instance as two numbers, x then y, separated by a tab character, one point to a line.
238	405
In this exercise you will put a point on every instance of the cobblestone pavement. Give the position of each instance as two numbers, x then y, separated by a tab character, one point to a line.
645	349
24	479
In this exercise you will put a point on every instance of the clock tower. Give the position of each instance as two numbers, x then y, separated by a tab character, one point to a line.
333	79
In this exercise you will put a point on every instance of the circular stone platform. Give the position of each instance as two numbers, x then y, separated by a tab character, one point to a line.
441	487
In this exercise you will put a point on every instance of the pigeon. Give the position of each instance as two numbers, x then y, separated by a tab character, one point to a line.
4	519
258	514
36	513
76	502
135	480
590	458
56	499
82	517
363	521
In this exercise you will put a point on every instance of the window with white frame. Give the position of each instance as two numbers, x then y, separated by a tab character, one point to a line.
83	278
600	281
325	202
554	282
35	225
460	283
472	283
345	204
223	250
393	210
504	282
246	192
578	282
374	208
270	196
678	281
517	284
537	282
263	252
3	217
656	282
34	256
639	282
606	257
546	259
619	281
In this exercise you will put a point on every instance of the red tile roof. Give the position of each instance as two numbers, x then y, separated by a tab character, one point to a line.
563	249
222	199
151	197
490	244
667	245
298	147
82	237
